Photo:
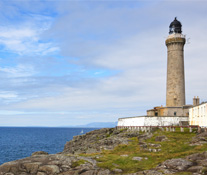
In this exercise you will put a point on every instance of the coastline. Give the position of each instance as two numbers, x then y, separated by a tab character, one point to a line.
91	153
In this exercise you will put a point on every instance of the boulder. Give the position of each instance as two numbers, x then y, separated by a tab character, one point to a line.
176	164
39	153
49	169
137	158
202	162
160	138
197	156
197	169
199	139
116	170
56	164
144	136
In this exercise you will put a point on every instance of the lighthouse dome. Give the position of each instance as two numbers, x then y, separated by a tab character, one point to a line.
175	26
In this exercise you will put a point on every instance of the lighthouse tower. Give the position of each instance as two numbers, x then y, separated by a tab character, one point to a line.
175	94
176	112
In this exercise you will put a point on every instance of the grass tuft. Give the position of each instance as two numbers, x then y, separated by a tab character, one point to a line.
78	163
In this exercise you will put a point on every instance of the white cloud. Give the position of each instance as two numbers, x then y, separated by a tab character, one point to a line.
14	33
7	95
24	38
18	71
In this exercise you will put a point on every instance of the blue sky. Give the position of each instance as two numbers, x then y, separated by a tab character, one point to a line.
65	63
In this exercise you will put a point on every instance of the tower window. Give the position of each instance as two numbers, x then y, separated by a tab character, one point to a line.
174	113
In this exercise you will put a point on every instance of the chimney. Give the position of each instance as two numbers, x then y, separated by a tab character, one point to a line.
196	101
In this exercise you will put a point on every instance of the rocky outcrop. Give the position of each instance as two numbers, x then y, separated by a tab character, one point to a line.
195	164
200	139
70	163
161	138
175	165
57	164
98	140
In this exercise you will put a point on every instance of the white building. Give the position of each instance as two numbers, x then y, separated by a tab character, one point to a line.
152	121
198	115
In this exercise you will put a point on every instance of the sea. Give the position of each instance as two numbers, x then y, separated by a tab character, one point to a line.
20	142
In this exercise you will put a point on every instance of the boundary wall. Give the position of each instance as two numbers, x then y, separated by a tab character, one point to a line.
165	128
153	121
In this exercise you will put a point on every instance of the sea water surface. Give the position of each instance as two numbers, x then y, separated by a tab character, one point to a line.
20	142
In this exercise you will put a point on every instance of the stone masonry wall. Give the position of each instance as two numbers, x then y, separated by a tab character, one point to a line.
175	72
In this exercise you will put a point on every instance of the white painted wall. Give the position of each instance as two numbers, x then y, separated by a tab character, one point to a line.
151	121
198	115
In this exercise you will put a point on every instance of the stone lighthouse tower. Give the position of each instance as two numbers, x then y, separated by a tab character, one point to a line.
175	94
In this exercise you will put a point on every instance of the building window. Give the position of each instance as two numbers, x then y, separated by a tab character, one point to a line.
174	113
156	113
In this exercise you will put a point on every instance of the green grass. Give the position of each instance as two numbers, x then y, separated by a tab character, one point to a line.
176	146
78	163
183	173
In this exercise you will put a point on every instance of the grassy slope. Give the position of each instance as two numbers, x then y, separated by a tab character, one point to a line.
176	146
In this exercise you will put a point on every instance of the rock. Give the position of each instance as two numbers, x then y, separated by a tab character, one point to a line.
199	139
32	167
152	172
176	164
202	162
116	170
24	173
39	153
145	136
197	156
143	145
41	163
137	173
166	171
137	158
197	169
41	173
56	164
102	139
6	167
71	172
154	145
90	172
131	134
147	172
156	150
153	150
160	138
104	172
50	169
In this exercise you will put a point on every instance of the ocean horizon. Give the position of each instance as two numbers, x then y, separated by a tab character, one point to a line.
20	142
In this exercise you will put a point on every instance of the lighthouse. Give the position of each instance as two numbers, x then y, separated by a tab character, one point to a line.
175	93
176	112
175	86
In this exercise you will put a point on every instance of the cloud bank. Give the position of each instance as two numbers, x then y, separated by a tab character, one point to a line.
71	63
